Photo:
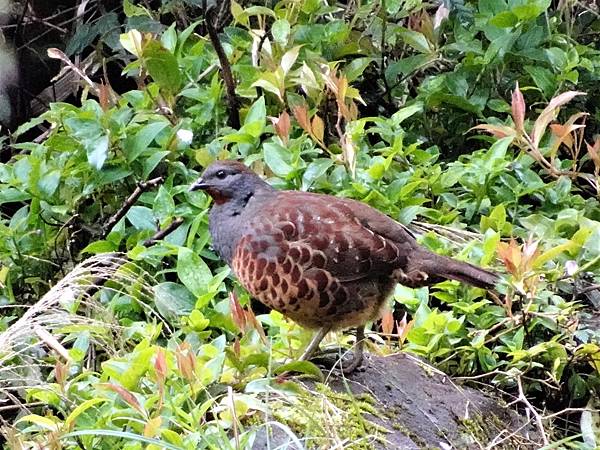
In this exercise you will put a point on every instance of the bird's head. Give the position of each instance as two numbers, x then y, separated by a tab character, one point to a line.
228	180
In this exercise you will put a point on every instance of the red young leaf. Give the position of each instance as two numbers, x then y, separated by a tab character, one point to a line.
511	256
548	114
301	115
160	366
253	322
125	395
387	323
404	328
594	152
61	370
518	108
237	312
318	128
282	126
498	131
186	361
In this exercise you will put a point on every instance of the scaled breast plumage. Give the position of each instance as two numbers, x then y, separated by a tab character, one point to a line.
308	255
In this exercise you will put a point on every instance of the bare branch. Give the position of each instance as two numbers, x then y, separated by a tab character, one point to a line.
129	202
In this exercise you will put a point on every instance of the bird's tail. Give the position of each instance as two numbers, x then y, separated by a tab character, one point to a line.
426	268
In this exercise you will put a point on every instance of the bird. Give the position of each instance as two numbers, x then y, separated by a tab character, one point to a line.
327	263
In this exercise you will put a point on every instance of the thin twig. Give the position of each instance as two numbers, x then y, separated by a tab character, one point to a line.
482	375
160	234
129	202
232	100
20	406
382	67
538	418
569	410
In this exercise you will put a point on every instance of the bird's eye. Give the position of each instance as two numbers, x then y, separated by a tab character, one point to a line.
221	174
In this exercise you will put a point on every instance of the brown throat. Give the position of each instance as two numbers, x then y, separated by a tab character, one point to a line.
217	197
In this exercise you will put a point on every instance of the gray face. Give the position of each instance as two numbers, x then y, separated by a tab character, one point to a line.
229	180
218	177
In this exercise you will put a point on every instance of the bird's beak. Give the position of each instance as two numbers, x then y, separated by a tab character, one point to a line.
198	184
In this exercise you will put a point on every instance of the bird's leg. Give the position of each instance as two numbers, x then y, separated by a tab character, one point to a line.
314	343
357	358
358	351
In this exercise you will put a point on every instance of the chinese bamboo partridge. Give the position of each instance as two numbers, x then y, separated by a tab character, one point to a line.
325	262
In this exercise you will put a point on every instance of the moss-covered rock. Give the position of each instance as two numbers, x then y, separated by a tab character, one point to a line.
397	402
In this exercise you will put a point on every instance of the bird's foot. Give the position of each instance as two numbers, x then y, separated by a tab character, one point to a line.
331	357
314	354
338	358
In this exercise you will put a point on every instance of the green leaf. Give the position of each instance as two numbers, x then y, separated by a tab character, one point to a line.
100	247
305	367
163	206
197	320
310	6
408	65
80	409
500	46
238	13
141	218
410	213
592	244
492	7
458	101
486	359
416	40
130	369
173	300
23	128
543	78
169	38
131	10
356	67
193	271
10	195
44	423
315	169
162	66
259	11
135	146
495	155
280	30
92	136
124	436
256	119
505	19
556	57
112	175
84	128
531	10
97	151
268	86
257	112
289	58
404	113
152	161
277	158
49	182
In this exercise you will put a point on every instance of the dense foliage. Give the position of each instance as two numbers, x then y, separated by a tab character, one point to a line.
371	100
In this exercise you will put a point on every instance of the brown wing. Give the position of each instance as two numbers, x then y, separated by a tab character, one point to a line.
356	240
305	255
322	232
